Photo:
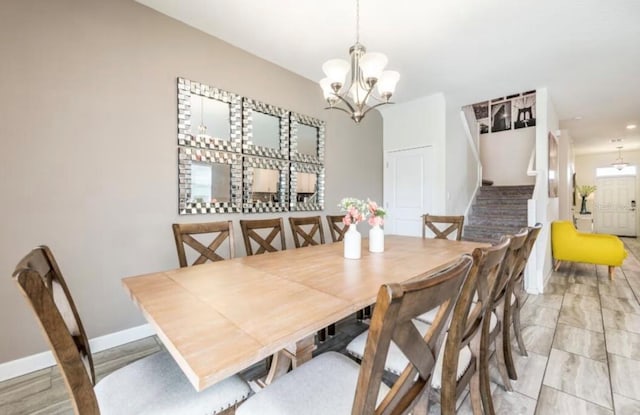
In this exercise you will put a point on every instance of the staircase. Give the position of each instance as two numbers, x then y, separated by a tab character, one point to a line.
497	210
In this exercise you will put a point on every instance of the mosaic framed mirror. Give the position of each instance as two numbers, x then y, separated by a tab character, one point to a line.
265	129
209	117
209	181
307	187
264	185
307	139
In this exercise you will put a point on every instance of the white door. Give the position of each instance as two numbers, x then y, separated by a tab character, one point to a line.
408	189
615	205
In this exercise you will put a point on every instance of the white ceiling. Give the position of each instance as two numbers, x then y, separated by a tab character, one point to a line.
587	52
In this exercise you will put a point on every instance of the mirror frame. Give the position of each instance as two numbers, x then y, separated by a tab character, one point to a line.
297	119
186	89
187	155
248	107
316	169
248	164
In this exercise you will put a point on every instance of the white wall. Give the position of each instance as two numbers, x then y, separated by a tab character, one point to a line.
565	179
419	123
505	156
89	148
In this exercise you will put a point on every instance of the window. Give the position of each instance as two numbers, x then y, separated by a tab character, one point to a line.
612	171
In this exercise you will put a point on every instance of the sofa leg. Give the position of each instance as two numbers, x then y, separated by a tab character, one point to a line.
612	272
556	264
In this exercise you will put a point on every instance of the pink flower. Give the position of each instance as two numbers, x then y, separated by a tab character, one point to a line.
347	219
376	220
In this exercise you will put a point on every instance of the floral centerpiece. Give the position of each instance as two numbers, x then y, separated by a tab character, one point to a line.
376	213
585	191
355	210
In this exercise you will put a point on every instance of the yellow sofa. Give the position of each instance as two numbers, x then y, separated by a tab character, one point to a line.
571	245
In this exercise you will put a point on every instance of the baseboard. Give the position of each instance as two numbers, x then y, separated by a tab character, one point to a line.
44	360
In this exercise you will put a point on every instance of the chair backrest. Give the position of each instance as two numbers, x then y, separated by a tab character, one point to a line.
467	317
41	282
534	231
434	223
512	265
183	234
336	227
265	244
396	306
313	226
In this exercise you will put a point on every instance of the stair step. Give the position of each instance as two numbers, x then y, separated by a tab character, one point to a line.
501	221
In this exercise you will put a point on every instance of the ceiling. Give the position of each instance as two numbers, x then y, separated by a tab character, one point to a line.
587	52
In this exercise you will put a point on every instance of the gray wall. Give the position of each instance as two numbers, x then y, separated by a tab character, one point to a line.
89	161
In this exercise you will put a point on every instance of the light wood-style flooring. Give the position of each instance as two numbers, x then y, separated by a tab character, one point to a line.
582	334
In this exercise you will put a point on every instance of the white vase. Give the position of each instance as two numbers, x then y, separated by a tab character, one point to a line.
352	243
376	239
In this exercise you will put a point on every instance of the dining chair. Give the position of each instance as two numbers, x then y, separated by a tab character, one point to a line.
517	296
460	359
334	384
435	225
151	385
184	235
250	234
336	227
304	231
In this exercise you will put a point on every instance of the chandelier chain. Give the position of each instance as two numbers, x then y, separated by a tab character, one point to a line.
357	21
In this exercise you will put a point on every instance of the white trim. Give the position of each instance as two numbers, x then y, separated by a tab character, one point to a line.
44	360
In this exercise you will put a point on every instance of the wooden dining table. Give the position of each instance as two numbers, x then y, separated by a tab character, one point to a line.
219	318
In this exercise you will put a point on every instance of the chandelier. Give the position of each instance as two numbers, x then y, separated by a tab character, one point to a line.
619	163
367	73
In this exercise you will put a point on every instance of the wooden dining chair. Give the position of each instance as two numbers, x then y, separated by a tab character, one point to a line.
334	384
436	225
516	295
336	227
153	384
304	231
184	235
250	234
460	359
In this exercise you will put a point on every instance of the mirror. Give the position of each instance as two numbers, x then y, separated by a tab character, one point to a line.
307	139
307	187
209	181
208	117
264	181
265	129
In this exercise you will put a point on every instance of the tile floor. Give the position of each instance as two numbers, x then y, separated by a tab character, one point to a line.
582	335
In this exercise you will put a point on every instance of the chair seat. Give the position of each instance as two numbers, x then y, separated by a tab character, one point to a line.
156	385
396	360
324	385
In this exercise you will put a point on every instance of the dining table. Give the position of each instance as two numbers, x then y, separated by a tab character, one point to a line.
219	318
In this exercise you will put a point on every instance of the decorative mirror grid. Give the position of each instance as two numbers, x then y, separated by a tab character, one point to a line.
249	106
313	198
296	120
186	137
187	157
251	203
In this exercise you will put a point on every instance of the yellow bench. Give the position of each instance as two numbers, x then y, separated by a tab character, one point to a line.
570	245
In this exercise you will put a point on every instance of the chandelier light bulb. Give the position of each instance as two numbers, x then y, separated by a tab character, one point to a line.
372	64
387	83
336	70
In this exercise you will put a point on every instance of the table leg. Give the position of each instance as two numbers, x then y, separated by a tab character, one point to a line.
285	358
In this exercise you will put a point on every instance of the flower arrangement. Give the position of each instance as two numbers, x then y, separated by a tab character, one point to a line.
354	209
376	213
585	190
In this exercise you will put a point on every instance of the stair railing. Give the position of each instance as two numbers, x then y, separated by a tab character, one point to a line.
472	131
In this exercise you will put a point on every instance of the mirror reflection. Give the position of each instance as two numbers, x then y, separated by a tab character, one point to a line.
266	130
306	187
307	140
210	117
265	187
210	182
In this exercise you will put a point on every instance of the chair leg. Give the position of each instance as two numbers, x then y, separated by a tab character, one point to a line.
484	385
476	394
322	335
360	315
517	330
500	358
331	330
556	264
612	272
